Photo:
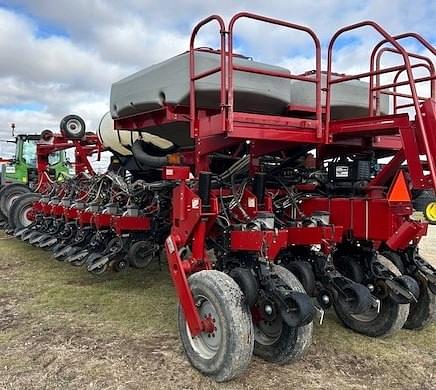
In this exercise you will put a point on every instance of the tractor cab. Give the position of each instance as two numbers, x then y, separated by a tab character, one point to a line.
23	167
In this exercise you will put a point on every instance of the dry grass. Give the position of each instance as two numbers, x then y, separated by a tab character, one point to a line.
62	328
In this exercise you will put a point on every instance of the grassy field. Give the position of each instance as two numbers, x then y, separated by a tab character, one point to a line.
62	328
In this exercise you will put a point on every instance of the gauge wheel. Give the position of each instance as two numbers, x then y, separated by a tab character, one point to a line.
73	127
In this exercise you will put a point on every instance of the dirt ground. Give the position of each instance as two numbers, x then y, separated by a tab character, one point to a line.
62	328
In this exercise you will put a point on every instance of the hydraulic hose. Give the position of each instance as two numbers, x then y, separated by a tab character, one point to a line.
146	159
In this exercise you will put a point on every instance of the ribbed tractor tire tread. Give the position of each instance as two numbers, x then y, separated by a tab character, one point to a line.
17	206
11	189
235	353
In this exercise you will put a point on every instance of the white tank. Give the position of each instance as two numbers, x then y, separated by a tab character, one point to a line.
120	141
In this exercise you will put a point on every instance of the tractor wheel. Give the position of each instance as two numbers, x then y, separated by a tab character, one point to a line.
18	215
423	312
225	353
276	341
430	212
3	218
73	127
390	317
8	195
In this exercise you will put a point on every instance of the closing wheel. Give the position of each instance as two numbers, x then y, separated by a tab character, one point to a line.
120	265
100	270
141	254
68	232
97	264
225	353
304	272
73	127
277	342
20	213
350	268
430	212
8	194
354	298
380	321
395	258
423	312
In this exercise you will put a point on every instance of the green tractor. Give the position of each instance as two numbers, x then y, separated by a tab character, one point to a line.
20	174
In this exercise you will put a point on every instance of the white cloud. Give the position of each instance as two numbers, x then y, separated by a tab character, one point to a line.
103	41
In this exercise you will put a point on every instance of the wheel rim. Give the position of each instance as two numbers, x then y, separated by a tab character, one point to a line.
121	265
74	126
268	332
430	211
115	246
25	216
144	255
206	344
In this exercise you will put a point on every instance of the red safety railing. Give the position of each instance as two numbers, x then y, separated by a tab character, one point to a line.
373	73
376	55
232	67
406	67
195	77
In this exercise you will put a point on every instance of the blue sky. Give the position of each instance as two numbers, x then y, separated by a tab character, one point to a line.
61	56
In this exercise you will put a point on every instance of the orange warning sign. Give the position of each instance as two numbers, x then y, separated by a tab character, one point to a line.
399	191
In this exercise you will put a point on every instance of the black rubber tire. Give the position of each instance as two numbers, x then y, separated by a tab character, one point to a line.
360	301
396	259
120	265
304	273
8	195
391	318
2	216
247	283
47	135
100	270
234	353
73	127
350	268
136	261
19	207
292	343
422	198
423	312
